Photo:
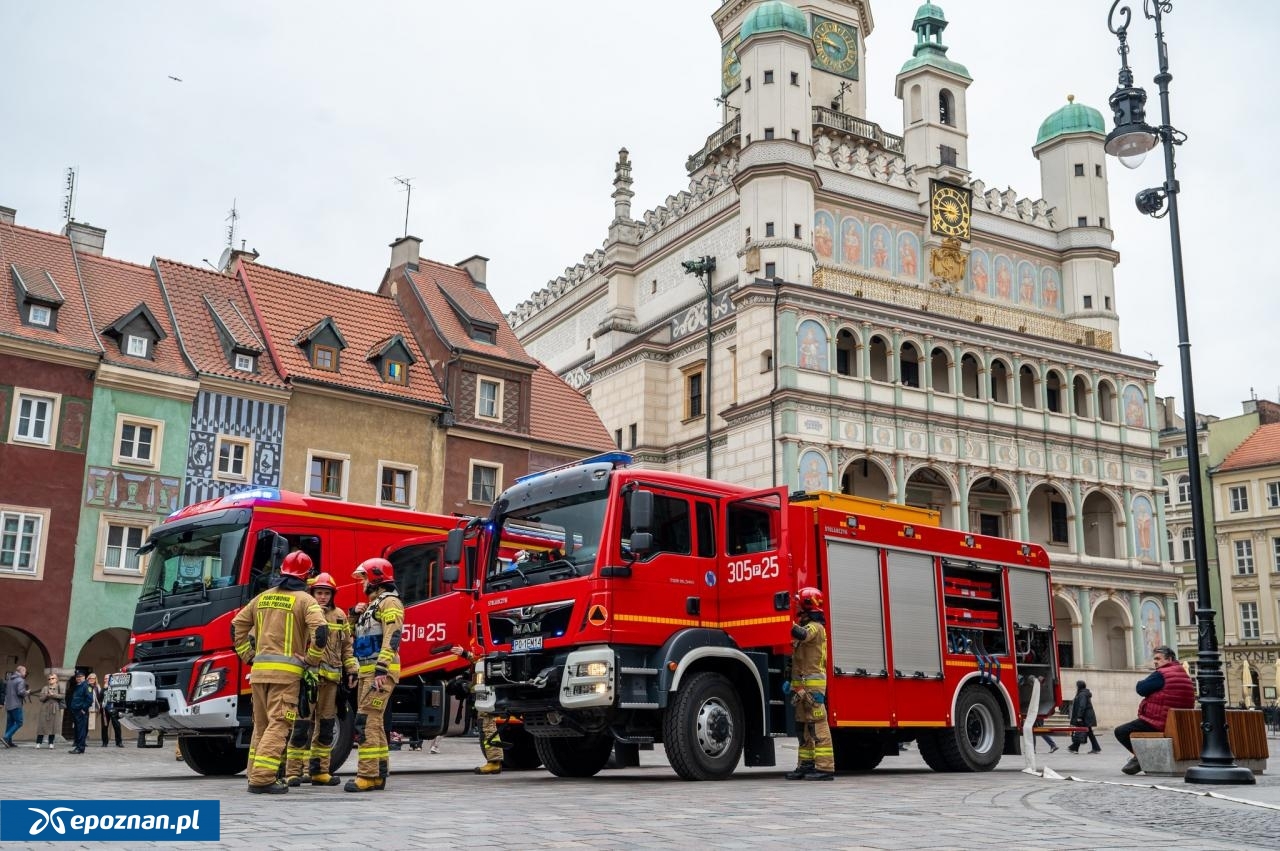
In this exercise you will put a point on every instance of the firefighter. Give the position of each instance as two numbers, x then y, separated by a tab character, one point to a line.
377	651
809	690
281	630
490	743
319	712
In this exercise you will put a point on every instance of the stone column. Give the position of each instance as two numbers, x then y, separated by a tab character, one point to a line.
1135	613
1086	628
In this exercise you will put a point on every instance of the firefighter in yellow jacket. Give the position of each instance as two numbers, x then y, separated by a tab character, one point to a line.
311	743
281	632
377	650
809	690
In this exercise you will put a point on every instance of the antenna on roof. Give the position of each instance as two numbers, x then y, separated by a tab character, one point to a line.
69	202
408	188
233	217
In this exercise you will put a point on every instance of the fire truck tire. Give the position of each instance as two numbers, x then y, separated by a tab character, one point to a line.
213	756
856	753
575	757
976	742
343	741
523	753
703	729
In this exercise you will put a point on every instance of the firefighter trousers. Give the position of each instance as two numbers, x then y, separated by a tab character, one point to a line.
489	740
313	734
275	708
371	731
814	732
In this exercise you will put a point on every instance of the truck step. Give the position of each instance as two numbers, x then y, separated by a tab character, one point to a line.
644	672
637	705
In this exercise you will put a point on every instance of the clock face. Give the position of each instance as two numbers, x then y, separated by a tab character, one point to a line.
835	47
730	67
949	210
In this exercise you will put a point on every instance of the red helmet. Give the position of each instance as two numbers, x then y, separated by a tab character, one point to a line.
810	600
296	563
324	580
376	570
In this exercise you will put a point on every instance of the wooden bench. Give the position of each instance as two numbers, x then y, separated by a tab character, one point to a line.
1173	751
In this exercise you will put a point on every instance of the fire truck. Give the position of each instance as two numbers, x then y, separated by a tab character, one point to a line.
664	614
208	560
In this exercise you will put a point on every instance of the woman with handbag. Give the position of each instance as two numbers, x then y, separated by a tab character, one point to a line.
49	721
1082	715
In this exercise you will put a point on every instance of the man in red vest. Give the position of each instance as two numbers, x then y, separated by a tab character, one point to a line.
1167	687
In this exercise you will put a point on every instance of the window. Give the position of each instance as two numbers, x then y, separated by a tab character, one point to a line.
121	550
1273	494
1088	302
1102	221
135	346
39	315
768	78
1079	169
671	526
1184	488
1097	171
483	335
946	155
766	361
1179	451
946	108
1249	620
768	133
1244	557
328	475
1082	221
244	363
771	270
235	456
795	135
617	437
324	357
632	436
489	399
1167	500
395	486
747	87
138	440
693	394
33	418
484	483
1193	603
796	231
768	229
1275	554
1106	302
1188	544
795	78
396	372
1057	523
1239	496
22	540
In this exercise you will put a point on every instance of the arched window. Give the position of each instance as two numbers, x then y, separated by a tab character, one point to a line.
909	365
1027	387
879	355
916	111
1169	542
1054	399
940	370
1193	602
1188	544
969	372
1184	490
999	382
946	108
1080	397
1106	402
846	353
766	360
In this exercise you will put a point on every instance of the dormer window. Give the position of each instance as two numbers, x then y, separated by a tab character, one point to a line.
136	333
391	358
39	315
482	335
38	296
397	372
135	346
324	357
322	343
244	363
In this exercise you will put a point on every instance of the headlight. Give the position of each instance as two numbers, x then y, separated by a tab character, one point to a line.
591	669
209	683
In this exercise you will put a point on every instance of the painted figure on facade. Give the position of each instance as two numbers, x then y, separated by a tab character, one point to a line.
978	264
851	242
1152	626
813	469
1135	407
907	256
1004	277
1027	289
1144	529
1050	290
879	252
822	236
813	345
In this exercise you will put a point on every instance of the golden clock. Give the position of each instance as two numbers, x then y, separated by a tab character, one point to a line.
730	67
835	47
949	209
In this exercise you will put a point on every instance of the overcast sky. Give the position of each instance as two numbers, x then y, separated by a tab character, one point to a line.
508	116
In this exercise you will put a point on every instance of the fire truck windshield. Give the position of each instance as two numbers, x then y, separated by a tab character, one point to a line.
563	538
193	559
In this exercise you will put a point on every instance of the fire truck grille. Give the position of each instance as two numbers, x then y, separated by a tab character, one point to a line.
547	620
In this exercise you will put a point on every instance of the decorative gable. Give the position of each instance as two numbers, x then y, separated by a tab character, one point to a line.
392	358
38	297
322	343
136	333
478	328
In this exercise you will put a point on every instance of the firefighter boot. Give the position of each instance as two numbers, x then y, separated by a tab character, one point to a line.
276	788
801	772
295	781
325	780
815	774
365	784
490	767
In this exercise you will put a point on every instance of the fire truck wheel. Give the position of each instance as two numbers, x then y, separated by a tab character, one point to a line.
976	742
213	756
856	753
343	739
703	729
575	757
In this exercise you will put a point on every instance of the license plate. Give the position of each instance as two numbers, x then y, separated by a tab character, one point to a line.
533	642
119	680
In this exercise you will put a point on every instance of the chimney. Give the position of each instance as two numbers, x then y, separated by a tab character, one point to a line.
86	238
404	252
231	255
477	267
8	215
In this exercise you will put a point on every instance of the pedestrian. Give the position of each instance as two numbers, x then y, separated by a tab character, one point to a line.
1167	687
16	692
80	703
816	757
490	742
377	650
49	721
311	743
280	631
1082	715
107	716
1048	740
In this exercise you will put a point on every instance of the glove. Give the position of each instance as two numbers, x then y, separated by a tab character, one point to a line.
786	688
353	680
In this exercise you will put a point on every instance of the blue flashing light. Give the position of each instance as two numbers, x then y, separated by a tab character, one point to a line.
617	459
255	493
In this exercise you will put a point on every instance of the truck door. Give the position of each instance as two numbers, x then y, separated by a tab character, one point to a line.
754	581
435	616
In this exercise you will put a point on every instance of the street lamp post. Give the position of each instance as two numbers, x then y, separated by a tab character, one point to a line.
702	268
1130	142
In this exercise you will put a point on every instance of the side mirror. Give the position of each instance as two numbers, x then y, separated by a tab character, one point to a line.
279	549
450	574
641	543
641	514
453	551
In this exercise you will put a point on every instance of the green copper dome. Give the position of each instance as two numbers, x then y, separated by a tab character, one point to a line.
929	50
1072	118
929	10
775	16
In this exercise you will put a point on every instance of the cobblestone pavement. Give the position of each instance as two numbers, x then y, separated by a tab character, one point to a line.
436	802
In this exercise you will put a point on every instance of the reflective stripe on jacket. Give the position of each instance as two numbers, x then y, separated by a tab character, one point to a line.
377	635
809	658
283	624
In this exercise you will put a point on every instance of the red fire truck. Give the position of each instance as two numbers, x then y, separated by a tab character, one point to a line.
664	613
208	560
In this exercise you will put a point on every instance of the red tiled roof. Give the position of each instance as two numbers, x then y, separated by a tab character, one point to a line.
1260	449
559	414
36	253
289	303
434	280
201	298
115	289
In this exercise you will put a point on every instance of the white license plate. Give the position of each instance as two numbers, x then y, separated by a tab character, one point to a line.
119	680
520	645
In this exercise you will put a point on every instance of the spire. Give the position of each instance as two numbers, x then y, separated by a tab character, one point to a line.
929	49
622	193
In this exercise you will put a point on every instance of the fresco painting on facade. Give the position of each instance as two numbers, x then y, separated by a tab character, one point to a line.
824	228
1027	285
979	271
881	245
1004	277
851	241
108	488
851	431
1144	529
909	255
814	474
1135	407
1049	289
1152	626
812	340
75	416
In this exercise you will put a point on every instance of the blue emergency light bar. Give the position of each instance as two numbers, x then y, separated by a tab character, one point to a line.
617	459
